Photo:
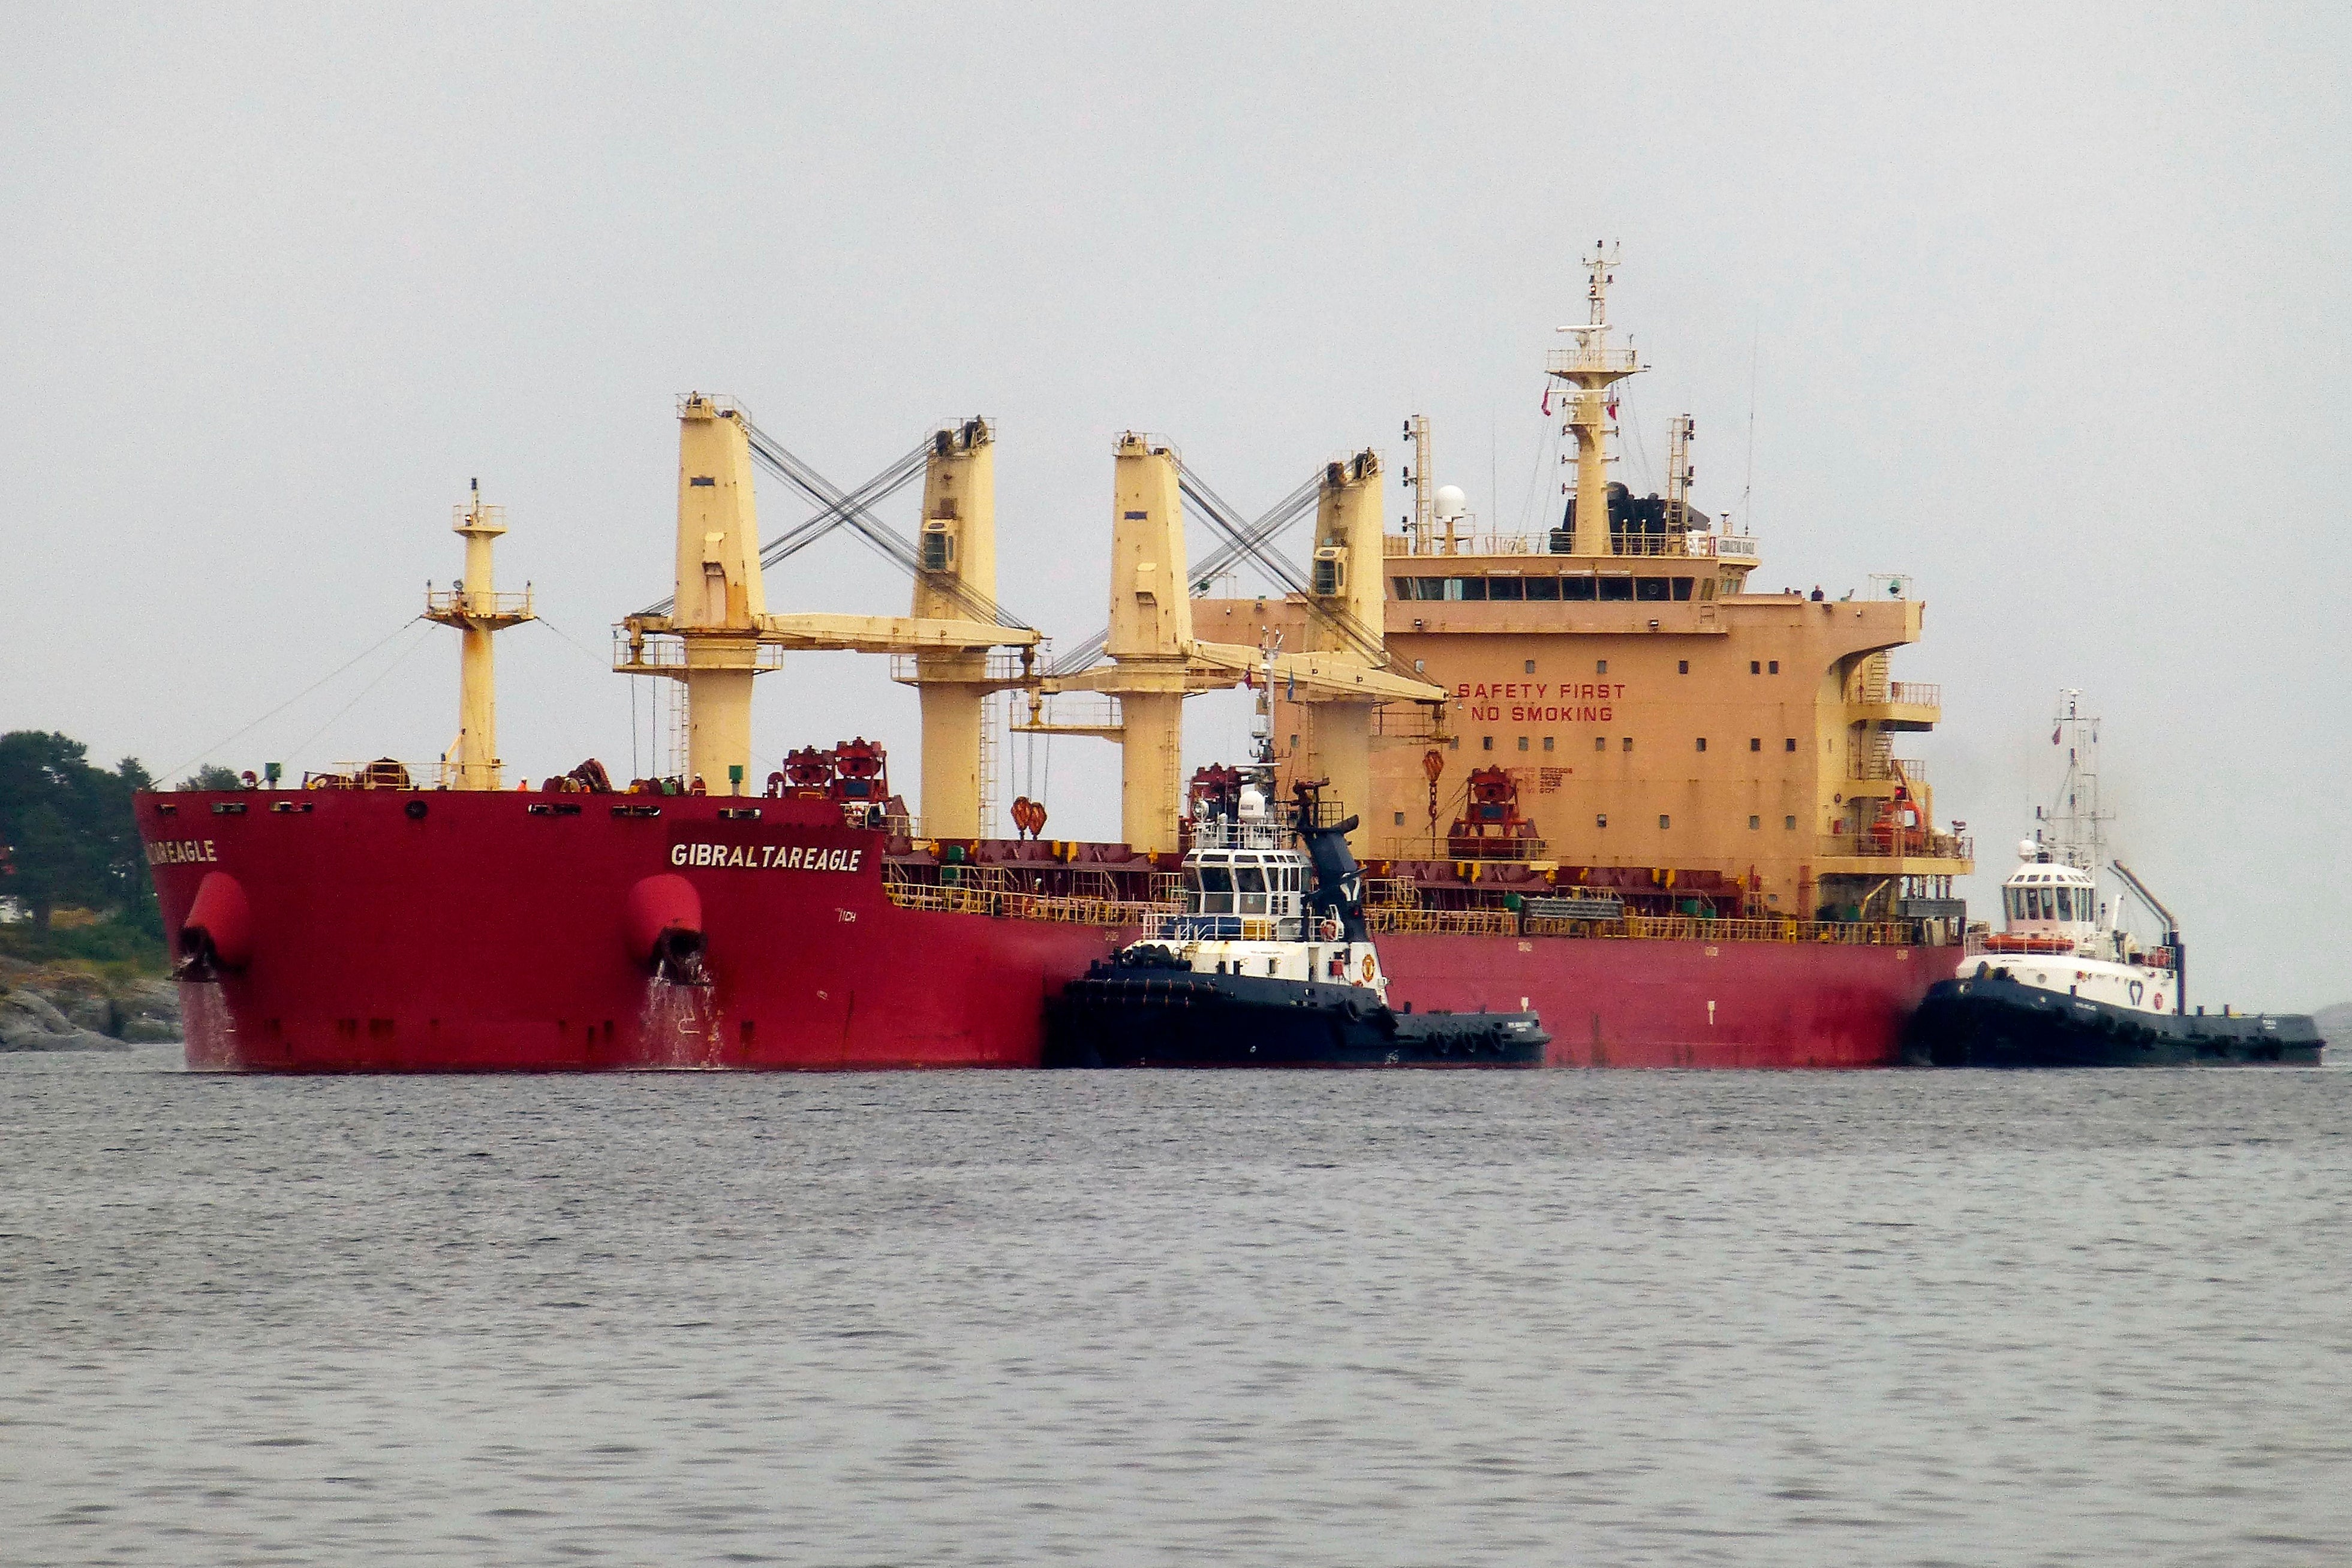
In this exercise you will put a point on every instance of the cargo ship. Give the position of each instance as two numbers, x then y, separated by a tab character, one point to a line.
1596	775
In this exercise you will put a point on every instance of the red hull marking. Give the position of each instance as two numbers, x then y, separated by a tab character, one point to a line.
481	938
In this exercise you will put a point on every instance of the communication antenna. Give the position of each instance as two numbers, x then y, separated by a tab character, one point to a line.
2076	821
1748	488
1424	483
1680	433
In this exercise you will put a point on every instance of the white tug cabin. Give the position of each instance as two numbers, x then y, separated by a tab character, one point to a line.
1246	886
2056	935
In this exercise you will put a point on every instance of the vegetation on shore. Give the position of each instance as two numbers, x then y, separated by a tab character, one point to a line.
71	860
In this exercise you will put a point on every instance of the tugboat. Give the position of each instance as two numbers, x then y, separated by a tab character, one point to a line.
2064	984
1270	963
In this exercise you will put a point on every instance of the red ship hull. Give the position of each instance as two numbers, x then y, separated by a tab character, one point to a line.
489	934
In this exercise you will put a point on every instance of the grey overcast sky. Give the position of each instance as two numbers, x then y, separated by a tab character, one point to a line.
2043	304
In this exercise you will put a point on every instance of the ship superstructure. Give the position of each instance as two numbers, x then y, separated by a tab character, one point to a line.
1644	720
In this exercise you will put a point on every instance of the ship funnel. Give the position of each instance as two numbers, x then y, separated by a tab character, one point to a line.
663	926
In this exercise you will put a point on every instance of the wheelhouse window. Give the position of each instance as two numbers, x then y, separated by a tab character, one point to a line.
1503	587
1653	590
1577	589
1683	587
1251	880
1616	590
1471	589
1545	588
1213	886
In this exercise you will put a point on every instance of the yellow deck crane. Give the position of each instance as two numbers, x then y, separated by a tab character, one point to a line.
716	635
1157	662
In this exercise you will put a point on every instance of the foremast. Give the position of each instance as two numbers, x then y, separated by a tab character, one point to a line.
478	610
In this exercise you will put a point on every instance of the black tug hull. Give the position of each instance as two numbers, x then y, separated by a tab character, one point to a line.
1130	1016
1995	1021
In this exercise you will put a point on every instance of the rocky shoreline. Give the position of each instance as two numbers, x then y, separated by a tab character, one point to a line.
57	1006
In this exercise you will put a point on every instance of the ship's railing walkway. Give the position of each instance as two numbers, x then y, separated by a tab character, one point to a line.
1641	928
1056	907
1174	922
1910	843
1679	545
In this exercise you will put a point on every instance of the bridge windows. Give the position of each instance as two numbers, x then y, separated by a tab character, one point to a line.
1616	590
1503	587
1577	589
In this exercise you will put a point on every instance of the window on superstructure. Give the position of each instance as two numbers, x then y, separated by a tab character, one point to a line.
1651	589
1702	743
1544	588
1548	739
1791	745
1755	666
1665	821
2065	903
1530	666
1403	587
1601	819
1429	588
1453	587
1772	667
1503	587
1682	666
1399	819
1577	589
1755	822
1617	589
1523	743
1755	743
1629	743
1790	824
1600	667
1473	590
1682	588
1599	743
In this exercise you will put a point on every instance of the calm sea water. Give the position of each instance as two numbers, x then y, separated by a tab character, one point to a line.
1509	1317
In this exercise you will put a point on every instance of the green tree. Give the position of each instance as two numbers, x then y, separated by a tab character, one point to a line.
66	834
213	776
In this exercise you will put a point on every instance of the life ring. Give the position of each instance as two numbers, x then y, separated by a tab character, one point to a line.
1329	929
1369	970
